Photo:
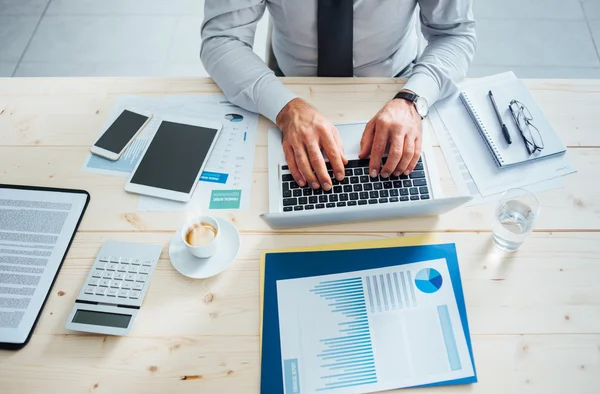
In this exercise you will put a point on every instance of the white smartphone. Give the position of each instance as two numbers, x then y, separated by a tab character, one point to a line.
175	158
116	138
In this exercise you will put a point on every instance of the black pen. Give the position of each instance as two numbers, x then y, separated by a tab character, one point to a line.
502	125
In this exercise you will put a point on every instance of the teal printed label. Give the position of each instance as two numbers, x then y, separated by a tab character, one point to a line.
225	199
291	378
215	177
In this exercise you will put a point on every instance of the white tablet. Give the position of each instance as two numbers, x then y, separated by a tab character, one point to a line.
174	159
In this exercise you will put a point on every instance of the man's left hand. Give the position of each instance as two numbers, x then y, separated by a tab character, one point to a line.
398	124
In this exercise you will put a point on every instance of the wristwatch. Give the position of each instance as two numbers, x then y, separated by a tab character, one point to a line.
419	102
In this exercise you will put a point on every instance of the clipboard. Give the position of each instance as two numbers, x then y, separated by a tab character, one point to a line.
271	350
19	201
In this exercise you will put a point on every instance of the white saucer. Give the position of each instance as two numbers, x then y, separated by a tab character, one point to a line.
194	267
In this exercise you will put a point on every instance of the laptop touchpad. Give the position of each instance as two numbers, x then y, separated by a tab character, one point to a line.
351	135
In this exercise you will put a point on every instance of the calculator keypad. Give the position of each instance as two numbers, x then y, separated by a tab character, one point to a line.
112	292
119	277
144	270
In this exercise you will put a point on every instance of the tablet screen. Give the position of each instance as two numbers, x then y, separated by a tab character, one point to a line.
174	157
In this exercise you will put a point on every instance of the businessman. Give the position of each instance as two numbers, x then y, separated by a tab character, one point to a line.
340	38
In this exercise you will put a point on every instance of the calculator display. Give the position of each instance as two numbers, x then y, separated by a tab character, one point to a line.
101	318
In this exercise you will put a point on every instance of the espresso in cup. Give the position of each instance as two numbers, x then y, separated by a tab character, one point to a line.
200	234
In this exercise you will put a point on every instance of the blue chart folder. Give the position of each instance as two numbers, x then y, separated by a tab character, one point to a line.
292	265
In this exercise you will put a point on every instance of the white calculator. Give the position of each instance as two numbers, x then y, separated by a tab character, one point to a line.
114	289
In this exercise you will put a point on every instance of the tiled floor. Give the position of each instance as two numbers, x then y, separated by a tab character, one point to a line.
538	38
534	38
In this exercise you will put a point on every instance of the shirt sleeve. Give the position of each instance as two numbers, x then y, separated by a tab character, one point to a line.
449	28
227	36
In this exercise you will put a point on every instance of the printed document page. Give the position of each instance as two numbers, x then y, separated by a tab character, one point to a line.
35	230
489	178
458	169
371	330
227	178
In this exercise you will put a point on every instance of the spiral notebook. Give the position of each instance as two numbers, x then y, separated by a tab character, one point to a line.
480	108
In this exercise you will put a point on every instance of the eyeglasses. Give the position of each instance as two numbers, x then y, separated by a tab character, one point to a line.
531	134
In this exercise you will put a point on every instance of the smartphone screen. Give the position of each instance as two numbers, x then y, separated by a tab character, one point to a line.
116	137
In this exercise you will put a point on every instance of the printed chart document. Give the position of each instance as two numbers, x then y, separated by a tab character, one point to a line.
227	179
371	330
36	228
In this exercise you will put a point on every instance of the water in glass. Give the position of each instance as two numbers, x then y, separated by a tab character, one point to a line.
513	224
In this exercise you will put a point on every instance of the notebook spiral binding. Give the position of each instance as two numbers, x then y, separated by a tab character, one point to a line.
482	130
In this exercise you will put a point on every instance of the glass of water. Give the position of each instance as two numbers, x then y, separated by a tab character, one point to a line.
514	217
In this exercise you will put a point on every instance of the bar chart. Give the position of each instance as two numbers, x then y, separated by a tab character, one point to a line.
390	291
348	357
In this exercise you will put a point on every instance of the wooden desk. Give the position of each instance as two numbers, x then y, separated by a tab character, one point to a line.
534	315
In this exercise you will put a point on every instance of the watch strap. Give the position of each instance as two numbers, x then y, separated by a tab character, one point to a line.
412	97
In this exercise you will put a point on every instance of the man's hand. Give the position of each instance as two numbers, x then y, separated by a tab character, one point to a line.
305	133
398	124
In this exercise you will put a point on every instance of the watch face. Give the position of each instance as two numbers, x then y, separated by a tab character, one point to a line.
422	106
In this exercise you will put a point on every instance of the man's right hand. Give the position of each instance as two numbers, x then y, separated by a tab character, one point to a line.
305	133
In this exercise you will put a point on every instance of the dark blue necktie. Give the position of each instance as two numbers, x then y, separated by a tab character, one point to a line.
335	37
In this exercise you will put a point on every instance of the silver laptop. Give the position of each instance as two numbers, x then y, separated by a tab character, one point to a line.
358	197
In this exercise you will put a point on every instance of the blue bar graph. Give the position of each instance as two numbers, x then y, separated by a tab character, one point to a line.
348	358
368	279
449	340
412	288
406	302
389	281
377	293
390	291
385	300
398	290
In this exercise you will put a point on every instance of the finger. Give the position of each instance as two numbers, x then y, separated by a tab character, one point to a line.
340	144
408	154
416	157
291	162
335	156
317	162
367	140
304	166
394	155
380	140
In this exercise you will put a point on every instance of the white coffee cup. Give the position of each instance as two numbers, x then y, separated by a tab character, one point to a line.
201	236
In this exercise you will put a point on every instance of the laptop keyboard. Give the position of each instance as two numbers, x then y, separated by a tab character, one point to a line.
356	189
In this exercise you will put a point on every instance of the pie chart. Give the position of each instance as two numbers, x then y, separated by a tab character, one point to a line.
428	280
234	118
